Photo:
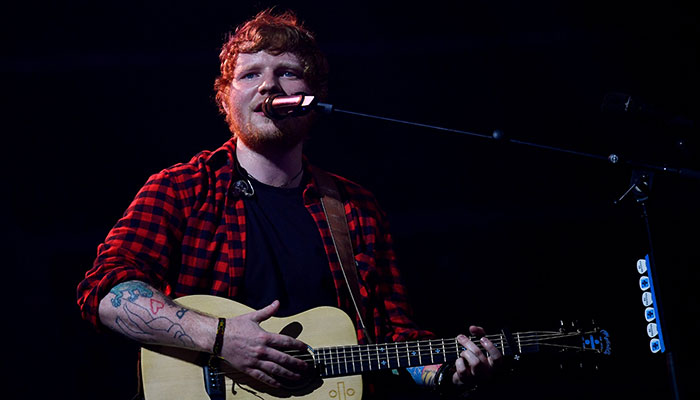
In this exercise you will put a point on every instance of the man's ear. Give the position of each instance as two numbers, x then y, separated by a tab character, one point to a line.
223	99
224	104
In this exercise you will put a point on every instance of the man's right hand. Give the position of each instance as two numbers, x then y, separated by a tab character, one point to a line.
258	353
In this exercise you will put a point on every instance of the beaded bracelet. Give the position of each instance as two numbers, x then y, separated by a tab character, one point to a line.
219	341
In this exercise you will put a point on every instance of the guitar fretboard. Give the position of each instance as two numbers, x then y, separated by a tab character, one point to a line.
350	360
357	359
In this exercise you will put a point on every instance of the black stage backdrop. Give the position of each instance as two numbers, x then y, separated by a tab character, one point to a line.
99	95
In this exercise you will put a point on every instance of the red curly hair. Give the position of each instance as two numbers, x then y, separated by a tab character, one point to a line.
275	34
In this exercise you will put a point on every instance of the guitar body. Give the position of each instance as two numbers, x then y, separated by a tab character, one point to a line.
337	360
173	373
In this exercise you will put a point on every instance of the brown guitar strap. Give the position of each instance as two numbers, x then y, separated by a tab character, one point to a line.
338	224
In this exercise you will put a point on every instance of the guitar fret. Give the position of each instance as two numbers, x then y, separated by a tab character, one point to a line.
330	353
318	358
352	359
369	358
408	355
420	358
444	353
398	357
362	368
345	359
432	361
329	357
325	362
387	355
378	365
337	359
388	360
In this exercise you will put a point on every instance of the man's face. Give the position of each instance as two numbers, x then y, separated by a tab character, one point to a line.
257	76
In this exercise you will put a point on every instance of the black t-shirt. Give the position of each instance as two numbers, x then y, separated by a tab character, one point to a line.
285	257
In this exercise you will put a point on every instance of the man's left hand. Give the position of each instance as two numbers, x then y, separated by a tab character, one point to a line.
475	364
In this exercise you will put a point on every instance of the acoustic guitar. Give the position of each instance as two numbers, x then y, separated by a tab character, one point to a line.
337	360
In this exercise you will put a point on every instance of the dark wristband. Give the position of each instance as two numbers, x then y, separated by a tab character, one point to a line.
219	341
443	379
447	388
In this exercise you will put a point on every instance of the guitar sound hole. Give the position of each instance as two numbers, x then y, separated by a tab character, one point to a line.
311	378
293	329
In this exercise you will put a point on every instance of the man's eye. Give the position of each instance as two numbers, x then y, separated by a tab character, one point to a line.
290	74
249	75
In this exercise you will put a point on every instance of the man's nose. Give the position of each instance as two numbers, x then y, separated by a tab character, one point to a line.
269	85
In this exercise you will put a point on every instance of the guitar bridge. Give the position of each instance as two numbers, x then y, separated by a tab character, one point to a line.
214	381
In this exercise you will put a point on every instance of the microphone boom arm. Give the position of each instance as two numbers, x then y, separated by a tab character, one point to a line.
279	106
499	136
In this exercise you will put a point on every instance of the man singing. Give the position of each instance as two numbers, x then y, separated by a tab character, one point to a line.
245	222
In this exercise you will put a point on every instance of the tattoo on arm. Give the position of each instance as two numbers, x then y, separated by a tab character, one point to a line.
181	313
134	289
156	306
424	375
141	323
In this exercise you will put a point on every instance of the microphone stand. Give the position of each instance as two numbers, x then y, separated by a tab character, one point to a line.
498	135
640	186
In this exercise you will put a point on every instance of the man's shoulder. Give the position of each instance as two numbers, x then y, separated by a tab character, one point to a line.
350	186
204	163
355	192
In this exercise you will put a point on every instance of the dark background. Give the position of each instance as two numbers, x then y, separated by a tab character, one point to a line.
99	95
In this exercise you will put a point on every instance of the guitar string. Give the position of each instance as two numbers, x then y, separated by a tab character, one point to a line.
338	362
524	340
371	359
351	350
341	359
342	366
535	335
368	353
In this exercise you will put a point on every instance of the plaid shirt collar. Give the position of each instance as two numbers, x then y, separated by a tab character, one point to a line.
224	161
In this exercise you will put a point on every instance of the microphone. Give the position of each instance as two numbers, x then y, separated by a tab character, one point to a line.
279	106
243	187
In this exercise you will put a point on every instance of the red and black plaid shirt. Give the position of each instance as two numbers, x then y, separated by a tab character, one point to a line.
185	233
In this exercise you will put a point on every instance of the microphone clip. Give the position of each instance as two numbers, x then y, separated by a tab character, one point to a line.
640	186
243	187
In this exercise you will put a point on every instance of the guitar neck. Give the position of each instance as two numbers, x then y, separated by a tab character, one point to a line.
357	359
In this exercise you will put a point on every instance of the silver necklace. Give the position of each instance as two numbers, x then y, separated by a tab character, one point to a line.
284	185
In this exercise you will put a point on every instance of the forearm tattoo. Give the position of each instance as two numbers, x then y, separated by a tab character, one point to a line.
424	375
142	323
